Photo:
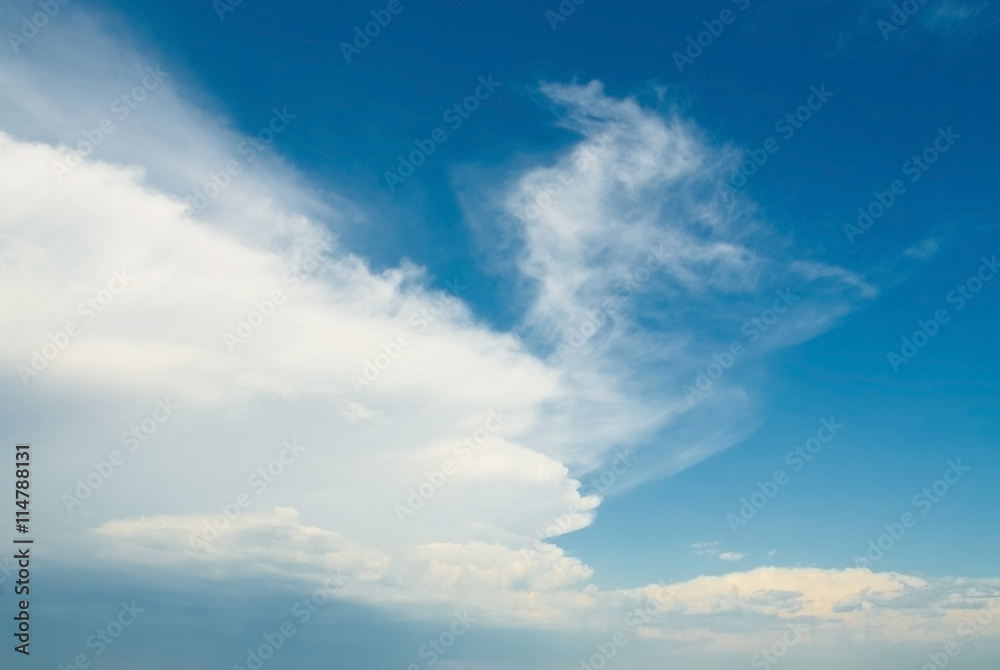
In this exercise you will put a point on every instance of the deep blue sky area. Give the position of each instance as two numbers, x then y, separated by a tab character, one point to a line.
356	118
889	99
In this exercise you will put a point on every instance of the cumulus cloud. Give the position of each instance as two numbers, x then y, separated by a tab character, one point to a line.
545	587
254	544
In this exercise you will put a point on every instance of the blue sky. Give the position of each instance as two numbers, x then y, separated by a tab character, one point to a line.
627	260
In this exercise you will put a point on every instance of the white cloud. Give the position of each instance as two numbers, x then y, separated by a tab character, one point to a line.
706	548
546	588
960	18
882	25
923	250
624	235
252	544
711	550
